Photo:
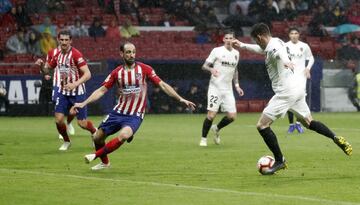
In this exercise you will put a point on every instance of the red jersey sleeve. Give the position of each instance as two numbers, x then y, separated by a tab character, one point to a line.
111	79
49	56
150	73
53	62
78	58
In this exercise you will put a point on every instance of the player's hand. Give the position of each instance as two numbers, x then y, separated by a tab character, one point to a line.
307	73
47	77
74	109
239	90
214	72
39	62
236	43
189	104
70	86
290	66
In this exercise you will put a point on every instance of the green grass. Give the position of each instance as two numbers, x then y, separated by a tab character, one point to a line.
165	165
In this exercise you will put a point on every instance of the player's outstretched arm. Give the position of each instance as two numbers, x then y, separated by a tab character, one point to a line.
44	67
86	75
172	93
250	47
97	94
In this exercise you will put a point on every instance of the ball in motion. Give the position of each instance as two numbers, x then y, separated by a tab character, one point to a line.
265	163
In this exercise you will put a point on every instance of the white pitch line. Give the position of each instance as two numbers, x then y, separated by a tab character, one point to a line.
285	127
187	187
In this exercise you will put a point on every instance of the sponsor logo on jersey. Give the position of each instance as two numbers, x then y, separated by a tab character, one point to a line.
131	89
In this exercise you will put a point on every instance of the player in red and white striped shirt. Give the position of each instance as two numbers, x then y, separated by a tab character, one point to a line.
71	72
128	114
56	82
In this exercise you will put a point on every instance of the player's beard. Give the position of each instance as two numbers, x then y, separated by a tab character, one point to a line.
129	62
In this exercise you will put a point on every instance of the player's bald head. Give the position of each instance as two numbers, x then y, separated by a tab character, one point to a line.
126	46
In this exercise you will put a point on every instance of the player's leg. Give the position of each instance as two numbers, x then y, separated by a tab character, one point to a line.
229	106
82	120
61	104
213	104
291	122
69	126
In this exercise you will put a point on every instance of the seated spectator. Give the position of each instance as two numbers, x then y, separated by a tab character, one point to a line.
128	30
36	6
5	6
22	18
47	42
198	97
301	6
255	9
197	19
96	29
145	20
348	55
237	21
4	101
78	29
340	16
212	20
269	13
159	102
202	37
16	43
113	30
174	105
217	36
129	7
9	19
46	25
288	13
56	6
33	43
203	7
317	29
167	21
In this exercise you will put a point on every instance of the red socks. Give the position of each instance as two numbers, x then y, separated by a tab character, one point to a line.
103	158
109	147
62	130
69	118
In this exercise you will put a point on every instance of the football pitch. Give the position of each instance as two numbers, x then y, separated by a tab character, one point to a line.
165	165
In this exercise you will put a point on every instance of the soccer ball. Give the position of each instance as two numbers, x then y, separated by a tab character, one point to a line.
265	163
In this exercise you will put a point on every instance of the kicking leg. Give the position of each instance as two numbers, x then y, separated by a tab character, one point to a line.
206	127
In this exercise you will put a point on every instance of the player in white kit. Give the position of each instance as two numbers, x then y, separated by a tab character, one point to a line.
289	94
299	53
222	64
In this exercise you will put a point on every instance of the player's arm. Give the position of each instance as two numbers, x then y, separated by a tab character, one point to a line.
250	47
85	77
207	66
97	94
172	93
310	63
284	57
236	83
44	66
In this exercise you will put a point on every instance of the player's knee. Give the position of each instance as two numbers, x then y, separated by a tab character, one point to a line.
232	117
260	126
82	123
211	116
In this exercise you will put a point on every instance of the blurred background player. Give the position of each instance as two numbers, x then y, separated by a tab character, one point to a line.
128	114
222	64
73	72
56	84
299	53
288	95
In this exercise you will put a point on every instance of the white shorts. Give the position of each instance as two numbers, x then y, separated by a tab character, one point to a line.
223	99
279	105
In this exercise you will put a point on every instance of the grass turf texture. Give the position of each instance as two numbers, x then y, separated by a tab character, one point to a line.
165	165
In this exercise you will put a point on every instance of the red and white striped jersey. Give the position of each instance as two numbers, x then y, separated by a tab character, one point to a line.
50	55
68	70
132	86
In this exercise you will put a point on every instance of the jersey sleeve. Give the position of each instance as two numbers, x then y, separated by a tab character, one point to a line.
212	56
52	62
308	53
49	56
110	79
79	59
151	75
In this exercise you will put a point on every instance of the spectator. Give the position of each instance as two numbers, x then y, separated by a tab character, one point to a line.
46	90
16	43
203	7
197	96
96	29
202	37
174	105
4	101
36	6
47	42
348	55
237	21
317	29
354	17
166	22
340	16
324	16
128	31
145	20
212	20
197	19
56	6
282	4
184	11
5	6
301	6
46	25
288	13
33	43
129	7
9	19
78	29
113	30
256	7
159	101
269	13
22	18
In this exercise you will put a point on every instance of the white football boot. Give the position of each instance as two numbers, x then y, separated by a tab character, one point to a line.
100	166
89	157
65	146
203	142
70	129
61	137
215	130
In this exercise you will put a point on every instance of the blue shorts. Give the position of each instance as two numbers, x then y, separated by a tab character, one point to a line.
63	103
115	121
54	93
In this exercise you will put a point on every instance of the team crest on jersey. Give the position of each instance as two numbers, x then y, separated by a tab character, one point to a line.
138	76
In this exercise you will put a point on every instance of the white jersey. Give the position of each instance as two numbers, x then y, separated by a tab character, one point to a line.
299	53
283	80
225	61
